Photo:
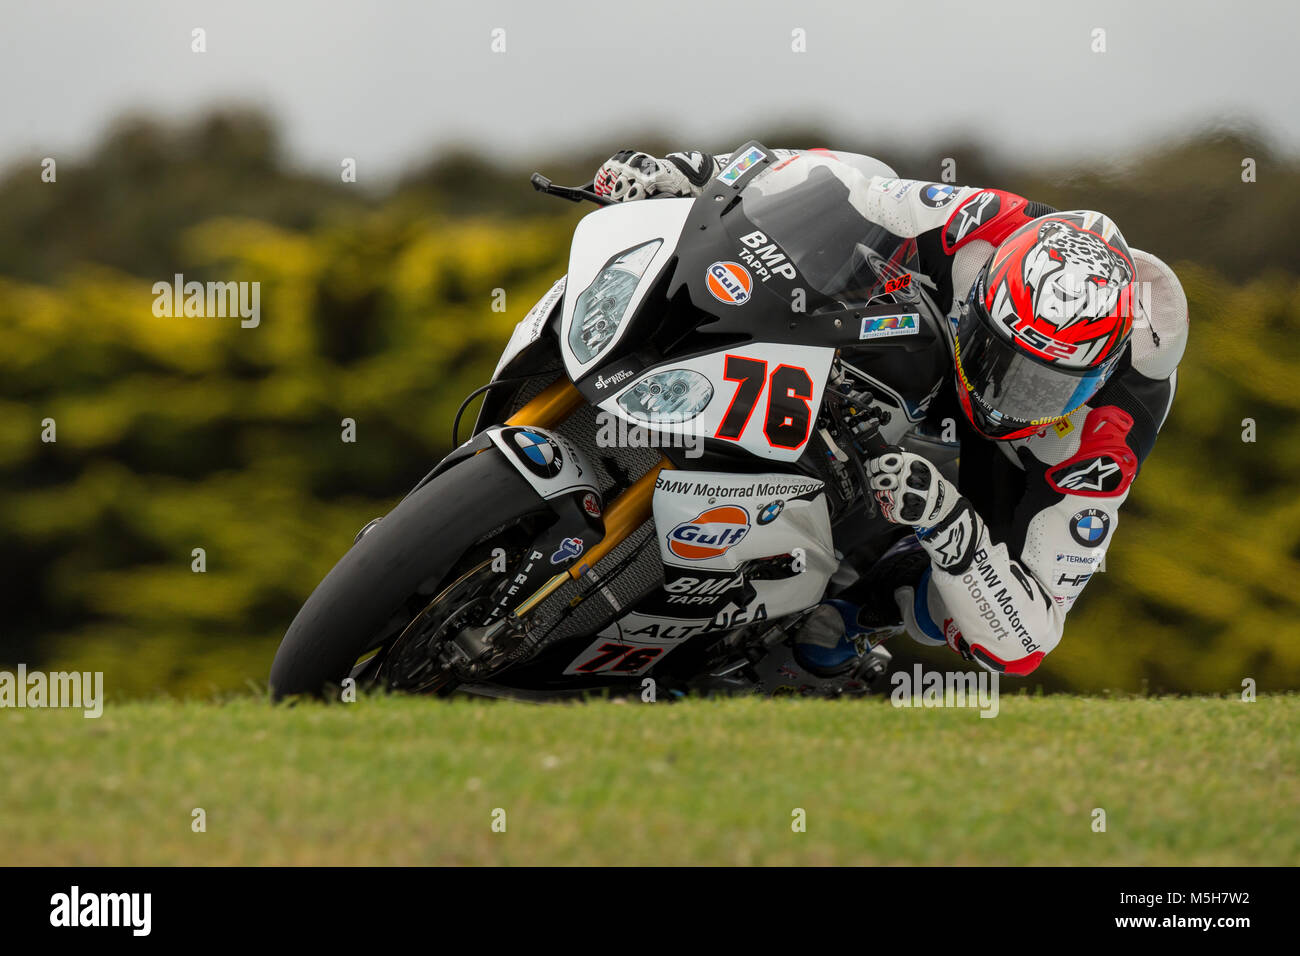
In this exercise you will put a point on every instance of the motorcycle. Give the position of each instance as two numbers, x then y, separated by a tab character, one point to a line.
667	472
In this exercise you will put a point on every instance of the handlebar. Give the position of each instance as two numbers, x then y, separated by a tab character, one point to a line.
873	441
583	193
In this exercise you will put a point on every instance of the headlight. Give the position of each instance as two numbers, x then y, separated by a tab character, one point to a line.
600	308
667	398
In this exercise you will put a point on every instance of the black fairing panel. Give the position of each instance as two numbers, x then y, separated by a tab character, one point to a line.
680	318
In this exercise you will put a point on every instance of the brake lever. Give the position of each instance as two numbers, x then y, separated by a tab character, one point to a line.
875	444
584	193
865	439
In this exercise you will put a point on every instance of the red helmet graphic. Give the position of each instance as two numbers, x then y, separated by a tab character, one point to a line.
1045	323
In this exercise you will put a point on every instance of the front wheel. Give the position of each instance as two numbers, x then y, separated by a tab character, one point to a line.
412	572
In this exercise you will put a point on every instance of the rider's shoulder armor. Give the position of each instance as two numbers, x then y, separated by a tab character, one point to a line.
989	215
909	207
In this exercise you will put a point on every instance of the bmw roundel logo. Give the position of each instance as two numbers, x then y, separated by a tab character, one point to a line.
769	512
938	195
539	453
1089	527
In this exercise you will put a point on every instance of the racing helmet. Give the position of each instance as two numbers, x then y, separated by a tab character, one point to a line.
1046	321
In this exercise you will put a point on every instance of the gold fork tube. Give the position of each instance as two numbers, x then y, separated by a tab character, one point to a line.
623	515
549	407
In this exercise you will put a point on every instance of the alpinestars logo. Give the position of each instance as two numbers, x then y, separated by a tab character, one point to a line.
694	165
951	544
1096	474
949	550
981	208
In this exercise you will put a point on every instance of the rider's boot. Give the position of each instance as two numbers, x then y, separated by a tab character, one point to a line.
839	630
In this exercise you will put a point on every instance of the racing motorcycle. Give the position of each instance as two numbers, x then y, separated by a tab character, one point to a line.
747	351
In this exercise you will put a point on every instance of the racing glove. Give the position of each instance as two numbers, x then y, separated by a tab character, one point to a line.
877	592
911	491
629	175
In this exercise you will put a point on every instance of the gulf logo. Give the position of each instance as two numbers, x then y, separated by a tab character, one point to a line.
729	282
710	533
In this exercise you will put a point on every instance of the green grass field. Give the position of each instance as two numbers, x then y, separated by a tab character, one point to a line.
408	781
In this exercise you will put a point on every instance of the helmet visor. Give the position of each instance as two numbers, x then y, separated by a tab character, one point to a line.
1008	387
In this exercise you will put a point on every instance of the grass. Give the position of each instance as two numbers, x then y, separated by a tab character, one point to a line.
409	781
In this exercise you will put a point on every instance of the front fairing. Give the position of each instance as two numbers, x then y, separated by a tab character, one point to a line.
774	267
599	241
798	227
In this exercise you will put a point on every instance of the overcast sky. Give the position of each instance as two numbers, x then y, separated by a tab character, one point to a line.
391	81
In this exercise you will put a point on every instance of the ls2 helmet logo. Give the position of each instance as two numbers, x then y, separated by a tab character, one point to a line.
710	533
729	282
539	453
1089	527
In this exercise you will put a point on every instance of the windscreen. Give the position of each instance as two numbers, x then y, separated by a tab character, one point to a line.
812	208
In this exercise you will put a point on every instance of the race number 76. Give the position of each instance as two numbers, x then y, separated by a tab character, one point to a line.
789	401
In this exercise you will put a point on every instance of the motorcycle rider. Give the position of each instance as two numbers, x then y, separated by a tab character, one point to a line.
1063	347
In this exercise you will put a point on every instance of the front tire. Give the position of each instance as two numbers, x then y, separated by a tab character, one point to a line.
365	598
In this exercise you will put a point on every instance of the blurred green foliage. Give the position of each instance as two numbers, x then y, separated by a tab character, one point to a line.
179	433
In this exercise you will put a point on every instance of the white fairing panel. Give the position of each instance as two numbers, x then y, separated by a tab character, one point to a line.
710	524
601	236
549	462
720	520
756	435
529	329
